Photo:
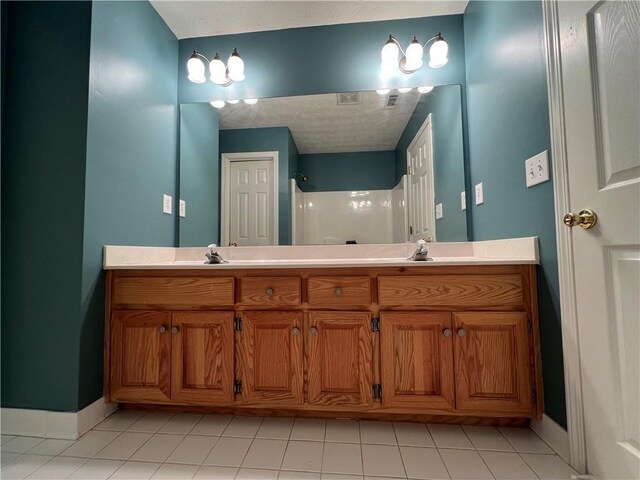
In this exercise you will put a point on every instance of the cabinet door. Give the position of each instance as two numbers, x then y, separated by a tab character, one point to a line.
140	356
416	359
271	357
492	361
202	349
340	351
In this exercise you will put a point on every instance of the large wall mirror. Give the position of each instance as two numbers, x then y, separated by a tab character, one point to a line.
354	167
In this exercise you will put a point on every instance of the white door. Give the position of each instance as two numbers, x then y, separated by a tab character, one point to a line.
600	53
250	210
421	189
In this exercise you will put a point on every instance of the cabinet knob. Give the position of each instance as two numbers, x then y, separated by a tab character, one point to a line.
295	331
313	331
339	292
174	330
447	332
269	292
462	332
162	329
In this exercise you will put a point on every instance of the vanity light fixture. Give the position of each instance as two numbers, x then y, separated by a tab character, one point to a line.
232	102
425	89
383	91
405	89
220	74
250	101
412	59
217	103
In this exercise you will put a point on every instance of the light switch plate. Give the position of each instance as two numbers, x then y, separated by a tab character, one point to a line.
182	208
166	204
479	194
537	169
438	211
463	200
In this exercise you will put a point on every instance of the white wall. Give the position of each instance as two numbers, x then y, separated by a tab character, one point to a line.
400	213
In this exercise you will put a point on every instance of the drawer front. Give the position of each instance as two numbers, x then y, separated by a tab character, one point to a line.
451	290
339	290
173	291
270	291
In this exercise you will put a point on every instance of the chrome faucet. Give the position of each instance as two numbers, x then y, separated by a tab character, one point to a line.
420	255
213	256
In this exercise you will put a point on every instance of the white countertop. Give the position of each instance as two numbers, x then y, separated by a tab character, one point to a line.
517	251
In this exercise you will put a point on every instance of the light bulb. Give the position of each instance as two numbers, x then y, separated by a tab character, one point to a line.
250	101
389	54
236	67
405	89
438	53
218	71
413	58
232	102
217	103
425	89
383	91
195	69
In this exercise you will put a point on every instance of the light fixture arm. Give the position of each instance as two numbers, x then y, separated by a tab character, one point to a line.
198	54
435	37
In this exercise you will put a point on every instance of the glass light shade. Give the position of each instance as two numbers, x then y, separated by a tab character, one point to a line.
195	69
250	101
390	52
236	67
232	102
218	71
438	53
217	103
383	91
413	58
405	89
425	89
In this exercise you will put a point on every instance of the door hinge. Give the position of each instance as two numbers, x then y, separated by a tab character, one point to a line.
375	324
237	387
237	324
534	397
376	390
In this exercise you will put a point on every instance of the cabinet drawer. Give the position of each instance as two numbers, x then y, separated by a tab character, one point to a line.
173	291
339	290
270	291
451	290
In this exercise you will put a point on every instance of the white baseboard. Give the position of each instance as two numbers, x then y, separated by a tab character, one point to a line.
44	423
553	434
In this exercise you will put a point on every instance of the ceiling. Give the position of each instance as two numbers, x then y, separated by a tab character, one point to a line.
188	19
319	125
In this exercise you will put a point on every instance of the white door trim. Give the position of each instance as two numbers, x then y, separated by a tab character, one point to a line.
225	188
568	310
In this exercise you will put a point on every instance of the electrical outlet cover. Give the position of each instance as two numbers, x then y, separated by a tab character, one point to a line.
183	208
479	194
463	200
537	169
438	211
166	204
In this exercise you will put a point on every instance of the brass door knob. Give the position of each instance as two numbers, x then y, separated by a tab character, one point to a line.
338	292
462	332
162	329
295	331
269	292
447	332
586	218
174	330
313	331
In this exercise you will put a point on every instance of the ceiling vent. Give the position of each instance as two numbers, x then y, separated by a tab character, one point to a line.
392	101
349	98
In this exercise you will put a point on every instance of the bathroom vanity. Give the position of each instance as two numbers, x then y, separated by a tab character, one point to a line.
361	333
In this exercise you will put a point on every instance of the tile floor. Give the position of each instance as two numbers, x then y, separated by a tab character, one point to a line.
134	445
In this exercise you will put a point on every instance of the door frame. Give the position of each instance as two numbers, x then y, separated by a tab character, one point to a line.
225	188
428	123
568	298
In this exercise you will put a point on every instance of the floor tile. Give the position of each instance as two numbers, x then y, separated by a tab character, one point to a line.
383	478
212	425
216	473
276	428
58	467
377	432
449	436
256	474
7	457
125	445
298	476
135	471
382	460
90	443
51	446
120	420
345	431
158	448
181	423
423	463
525	441
465	464
549	467
193	449
343	458
245	427
308	429
21	444
228	452
96	469
413	434
265	454
507	466
337	476
151	421
23	466
303	456
170	471
6	438
487	438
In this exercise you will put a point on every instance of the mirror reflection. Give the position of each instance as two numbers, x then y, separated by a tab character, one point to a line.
355	167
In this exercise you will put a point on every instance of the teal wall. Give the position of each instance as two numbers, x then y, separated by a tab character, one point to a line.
329	172
326	59
43	172
266	140
199	174
508	122
444	105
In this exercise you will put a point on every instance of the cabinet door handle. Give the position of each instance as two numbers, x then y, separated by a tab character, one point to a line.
447	332
313	331
162	329
462	332
174	330
295	331
269	292
339	292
